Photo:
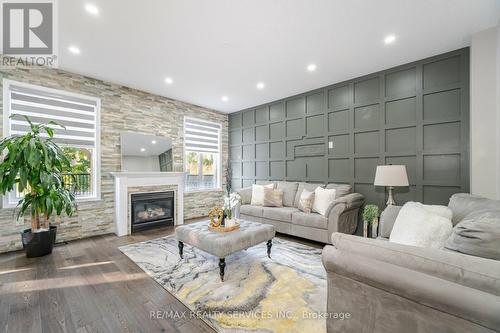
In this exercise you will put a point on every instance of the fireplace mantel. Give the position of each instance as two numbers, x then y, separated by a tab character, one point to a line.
124	180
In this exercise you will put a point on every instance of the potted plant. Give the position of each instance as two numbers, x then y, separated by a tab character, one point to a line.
370	220
34	166
231	204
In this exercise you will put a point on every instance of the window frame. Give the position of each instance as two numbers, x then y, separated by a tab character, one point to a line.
218	187
10	200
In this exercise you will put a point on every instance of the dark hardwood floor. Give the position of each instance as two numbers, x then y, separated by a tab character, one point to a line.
88	285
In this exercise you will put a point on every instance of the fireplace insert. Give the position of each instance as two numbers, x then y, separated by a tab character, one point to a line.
151	210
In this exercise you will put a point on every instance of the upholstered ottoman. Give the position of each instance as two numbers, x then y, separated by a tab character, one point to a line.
222	244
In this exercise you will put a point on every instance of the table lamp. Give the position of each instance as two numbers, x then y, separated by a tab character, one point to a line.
391	176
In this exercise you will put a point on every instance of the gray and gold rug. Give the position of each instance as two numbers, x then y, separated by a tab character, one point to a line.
286	293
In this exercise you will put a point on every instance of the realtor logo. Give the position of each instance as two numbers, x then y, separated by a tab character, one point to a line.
28	33
27	28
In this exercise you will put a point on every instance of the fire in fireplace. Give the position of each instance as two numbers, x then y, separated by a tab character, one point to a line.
151	210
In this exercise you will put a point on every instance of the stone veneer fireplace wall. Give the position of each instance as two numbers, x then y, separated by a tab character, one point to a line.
122	109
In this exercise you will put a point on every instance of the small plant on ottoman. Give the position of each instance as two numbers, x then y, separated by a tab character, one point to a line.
34	166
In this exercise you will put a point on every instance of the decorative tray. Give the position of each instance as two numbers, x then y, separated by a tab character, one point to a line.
224	228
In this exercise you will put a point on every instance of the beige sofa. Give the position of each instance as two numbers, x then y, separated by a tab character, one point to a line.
389	287
342	215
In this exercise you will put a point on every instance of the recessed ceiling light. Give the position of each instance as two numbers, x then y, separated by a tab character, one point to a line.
311	67
153	142
261	85
92	9
389	39
143	149
224	98
169	80
73	49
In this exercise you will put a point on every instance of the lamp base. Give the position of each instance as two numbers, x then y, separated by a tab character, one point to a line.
390	200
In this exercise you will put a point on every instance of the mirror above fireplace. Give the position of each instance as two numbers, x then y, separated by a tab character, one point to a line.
146	153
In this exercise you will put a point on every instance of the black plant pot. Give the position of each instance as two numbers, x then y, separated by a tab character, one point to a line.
39	244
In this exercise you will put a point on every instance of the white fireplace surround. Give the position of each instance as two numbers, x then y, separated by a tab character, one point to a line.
124	180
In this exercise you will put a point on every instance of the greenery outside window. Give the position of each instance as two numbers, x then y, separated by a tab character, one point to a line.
202	155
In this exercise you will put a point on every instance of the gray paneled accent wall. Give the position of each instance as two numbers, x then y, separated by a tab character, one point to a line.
416	114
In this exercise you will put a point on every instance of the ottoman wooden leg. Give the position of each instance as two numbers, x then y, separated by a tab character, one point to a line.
222	266
181	247
269	245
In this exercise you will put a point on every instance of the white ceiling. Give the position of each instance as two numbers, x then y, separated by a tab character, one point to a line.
224	47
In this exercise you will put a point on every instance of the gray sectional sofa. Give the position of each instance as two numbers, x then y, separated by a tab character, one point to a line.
342	215
389	287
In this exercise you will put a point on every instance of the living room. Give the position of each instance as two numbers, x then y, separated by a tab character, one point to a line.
251	166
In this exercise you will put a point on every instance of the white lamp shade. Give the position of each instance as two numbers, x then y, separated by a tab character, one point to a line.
391	175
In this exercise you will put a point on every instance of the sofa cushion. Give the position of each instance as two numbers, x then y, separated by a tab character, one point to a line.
323	200
283	214
478	234
258	194
308	186
422	225
273	197
246	195
342	189
252	210
461	204
312	220
289	191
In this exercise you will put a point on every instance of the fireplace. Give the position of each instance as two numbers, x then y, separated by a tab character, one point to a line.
150	210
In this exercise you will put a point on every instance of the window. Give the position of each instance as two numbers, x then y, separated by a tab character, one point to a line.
79	141
202	154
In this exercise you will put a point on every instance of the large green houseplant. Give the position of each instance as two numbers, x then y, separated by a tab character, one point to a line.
34	165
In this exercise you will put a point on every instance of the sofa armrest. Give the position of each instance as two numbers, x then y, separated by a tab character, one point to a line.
461	285
387	219
343	213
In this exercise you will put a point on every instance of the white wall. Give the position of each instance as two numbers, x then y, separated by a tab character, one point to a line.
485	113
139	163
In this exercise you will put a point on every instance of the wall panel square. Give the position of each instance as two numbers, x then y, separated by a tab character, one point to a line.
401	112
276	111
296	169
444	104
248	134
262	115
235	120
400	140
261	151
261	169
364	169
442	72
248	118
340	97
367	143
445	168
315	126
236	169
338	121
277	130
315	103
235	136
340	170
277	150
236	153
249	152
295	128
442	137
295	107
248	169
367	90
373	195
341	144
367	116
401	82
277	169
247	182
261	133
439	195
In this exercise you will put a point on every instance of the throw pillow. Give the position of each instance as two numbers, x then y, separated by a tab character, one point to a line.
258	194
478	234
306	201
273	198
246	195
322	200
422	225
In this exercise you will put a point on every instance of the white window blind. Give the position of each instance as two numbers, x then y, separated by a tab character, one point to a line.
77	114
201	136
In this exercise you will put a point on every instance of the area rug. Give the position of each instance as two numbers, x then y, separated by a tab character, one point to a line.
284	293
